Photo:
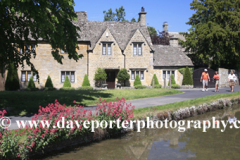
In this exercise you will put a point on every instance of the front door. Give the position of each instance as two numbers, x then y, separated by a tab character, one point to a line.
111	75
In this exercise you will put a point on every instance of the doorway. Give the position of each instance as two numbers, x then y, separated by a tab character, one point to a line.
111	76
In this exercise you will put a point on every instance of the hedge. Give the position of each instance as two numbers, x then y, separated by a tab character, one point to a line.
140	87
85	88
187	77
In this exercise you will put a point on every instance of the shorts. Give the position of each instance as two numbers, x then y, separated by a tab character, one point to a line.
205	82
231	83
216	81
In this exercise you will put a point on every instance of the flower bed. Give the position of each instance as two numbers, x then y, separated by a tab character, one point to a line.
22	144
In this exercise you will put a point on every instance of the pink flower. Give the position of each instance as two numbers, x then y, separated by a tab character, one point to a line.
74	101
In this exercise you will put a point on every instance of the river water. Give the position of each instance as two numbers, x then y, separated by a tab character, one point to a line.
166	144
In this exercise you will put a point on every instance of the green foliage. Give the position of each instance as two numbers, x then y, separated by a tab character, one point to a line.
31	89
152	31
66	83
175	86
100	74
182	70
85	88
140	87
12	82
57	16
123	74
214	33
137	81
85	81
31	83
158	86
155	80
49	83
133	20
172	80
67	89
187	77
49	89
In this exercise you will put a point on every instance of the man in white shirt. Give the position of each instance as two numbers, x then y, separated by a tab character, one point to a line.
231	79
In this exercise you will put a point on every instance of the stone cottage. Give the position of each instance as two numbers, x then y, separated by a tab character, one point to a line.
112	46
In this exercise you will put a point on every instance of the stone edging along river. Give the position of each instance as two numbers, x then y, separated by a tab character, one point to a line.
178	114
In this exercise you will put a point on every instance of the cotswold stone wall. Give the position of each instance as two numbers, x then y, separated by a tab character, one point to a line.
223	74
46	65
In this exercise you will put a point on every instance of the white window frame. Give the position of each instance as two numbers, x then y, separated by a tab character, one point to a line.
106	48
134	74
27	76
169	70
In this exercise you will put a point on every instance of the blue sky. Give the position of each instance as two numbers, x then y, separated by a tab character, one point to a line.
175	12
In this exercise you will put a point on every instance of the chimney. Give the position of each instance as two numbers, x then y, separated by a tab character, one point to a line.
142	18
82	16
165	27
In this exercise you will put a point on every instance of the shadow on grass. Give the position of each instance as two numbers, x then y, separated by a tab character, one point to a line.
28	102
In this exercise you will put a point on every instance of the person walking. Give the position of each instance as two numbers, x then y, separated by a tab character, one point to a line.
231	80
216	80
204	79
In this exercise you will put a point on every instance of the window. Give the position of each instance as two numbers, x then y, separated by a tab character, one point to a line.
25	77
29	48
106	49
70	74
167	74
134	73
137	49
142	75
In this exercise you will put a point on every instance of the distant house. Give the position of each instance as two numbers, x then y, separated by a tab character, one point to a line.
112	46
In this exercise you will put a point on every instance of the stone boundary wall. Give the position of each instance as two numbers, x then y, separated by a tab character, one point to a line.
223	74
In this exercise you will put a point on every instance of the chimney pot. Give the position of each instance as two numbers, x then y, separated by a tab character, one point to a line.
142	17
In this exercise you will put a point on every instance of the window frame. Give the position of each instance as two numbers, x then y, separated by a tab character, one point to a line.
69	76
137	44
27	78
107	46
134	73
168	71
29	46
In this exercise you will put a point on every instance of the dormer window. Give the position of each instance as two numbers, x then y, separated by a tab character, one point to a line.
106	48
137	49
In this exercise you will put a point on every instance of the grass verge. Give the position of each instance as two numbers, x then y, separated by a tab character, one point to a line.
23	102
142	112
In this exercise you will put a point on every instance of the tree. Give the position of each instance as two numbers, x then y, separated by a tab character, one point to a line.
173	79
119	15
23	22
187	77
155	80
12	81
31	84
49	83
66	83
85	81
133	20
152	31
162	38
214	33
100	75
123	75
137	81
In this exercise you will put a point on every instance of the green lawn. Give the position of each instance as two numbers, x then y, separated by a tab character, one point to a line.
142	112
28	102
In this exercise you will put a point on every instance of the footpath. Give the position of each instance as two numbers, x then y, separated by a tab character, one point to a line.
151	102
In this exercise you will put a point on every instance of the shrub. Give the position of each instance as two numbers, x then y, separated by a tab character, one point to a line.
49	89
158	86
123	74
187	77
140	87
175	86
182	70
67	89
31	89
172	80
66	83
31	84
49	83
137	81
12	81
85	88
86	82
100	74
155	80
